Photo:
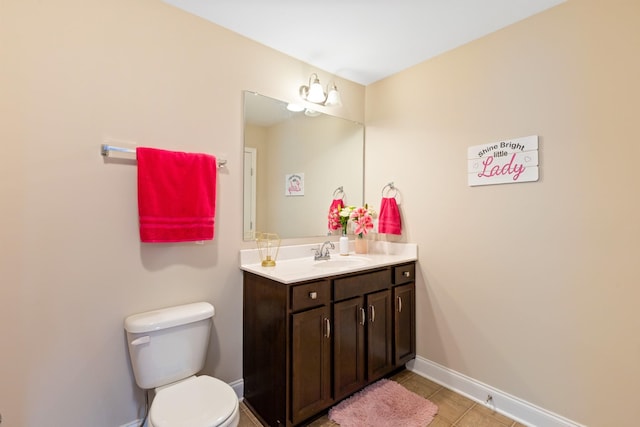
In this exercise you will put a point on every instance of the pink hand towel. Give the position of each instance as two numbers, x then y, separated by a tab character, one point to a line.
389	219
176	195
334	220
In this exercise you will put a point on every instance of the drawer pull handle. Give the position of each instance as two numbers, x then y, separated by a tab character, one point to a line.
328	327
399	304
363	315
313	295
406	273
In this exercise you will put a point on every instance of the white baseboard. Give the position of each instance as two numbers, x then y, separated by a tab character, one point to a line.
503	403
237	386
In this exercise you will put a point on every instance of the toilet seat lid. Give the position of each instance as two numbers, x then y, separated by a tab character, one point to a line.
196	402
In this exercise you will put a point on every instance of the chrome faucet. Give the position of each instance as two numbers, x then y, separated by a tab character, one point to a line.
323	252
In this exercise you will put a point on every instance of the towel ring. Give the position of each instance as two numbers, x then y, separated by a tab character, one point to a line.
338	192
389	188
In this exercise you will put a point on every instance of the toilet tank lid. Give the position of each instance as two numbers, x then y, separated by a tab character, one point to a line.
168	317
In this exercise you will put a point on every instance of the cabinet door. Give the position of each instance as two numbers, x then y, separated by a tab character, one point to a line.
265	348
379	338
310	363
404	323
349	319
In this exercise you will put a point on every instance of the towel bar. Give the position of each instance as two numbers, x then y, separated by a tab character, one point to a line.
106	148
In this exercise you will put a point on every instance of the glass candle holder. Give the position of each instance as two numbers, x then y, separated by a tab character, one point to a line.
268	246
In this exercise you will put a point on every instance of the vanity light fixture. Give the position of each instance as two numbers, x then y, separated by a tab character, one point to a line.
333	97
311	113
295	108
315	93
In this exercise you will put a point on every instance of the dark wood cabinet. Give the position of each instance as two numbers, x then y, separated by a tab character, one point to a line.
379	339
308	345
404	320
264	356
404	323
310	363
362	323
349	320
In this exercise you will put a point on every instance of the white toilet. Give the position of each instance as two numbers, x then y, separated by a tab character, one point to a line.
168	347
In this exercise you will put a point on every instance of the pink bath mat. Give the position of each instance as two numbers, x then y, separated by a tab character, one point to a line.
384	404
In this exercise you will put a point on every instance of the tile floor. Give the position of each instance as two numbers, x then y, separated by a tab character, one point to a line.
454	410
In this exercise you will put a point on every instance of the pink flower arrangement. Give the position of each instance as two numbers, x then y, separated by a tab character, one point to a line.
363	218
340	216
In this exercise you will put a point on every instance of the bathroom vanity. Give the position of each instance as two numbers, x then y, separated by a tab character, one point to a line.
315	336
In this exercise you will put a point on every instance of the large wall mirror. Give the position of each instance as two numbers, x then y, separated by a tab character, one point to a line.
293	164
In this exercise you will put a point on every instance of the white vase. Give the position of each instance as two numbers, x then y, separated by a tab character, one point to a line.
344	245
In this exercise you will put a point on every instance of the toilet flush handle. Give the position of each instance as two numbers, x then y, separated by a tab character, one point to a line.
142	340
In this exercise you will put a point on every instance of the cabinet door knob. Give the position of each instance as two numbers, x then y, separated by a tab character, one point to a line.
373	313
399	304
363	315
406	273
313	295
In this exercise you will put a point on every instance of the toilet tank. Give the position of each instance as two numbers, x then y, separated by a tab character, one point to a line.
169	344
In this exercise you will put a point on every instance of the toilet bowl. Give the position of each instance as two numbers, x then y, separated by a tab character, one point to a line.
201	401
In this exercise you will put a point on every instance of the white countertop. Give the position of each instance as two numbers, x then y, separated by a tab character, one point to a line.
296	263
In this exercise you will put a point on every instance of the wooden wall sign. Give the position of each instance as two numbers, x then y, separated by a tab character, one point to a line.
504	162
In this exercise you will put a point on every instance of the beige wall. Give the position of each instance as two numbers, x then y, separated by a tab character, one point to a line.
71	74
327	151
531	288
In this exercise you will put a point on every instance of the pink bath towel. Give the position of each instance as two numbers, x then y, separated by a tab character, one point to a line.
176	195
389	219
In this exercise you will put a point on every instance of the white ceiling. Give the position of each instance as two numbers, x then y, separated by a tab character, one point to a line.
364	40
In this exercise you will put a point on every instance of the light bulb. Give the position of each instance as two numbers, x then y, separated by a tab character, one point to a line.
295	107
333	98
316	93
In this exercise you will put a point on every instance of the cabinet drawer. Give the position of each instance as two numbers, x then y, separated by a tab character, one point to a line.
361	284
404	274
310	295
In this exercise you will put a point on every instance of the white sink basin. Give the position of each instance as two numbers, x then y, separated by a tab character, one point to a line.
342	262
